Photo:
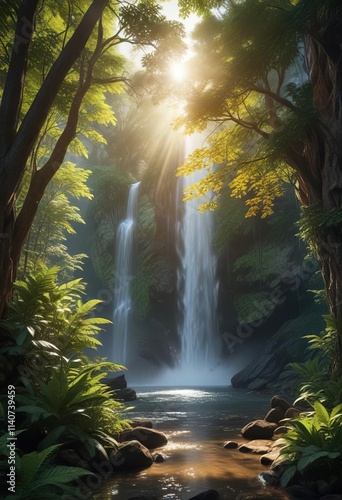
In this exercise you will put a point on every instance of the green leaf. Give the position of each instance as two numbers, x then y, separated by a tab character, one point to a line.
288	475
32	462
336	411
304	462
321	413
51	438
59	475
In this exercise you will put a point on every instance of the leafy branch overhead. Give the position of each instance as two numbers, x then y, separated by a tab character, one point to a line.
59	62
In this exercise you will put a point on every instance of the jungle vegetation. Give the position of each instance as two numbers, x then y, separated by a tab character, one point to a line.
265	78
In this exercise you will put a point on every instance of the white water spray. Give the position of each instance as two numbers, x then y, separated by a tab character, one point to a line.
123	275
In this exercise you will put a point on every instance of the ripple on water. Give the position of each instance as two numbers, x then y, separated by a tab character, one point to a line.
196	422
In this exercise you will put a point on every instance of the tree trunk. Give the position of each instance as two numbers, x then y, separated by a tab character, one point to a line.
324	157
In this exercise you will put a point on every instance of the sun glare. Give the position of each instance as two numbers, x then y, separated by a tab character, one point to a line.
177	71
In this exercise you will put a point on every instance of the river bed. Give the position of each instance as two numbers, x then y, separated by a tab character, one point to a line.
196	420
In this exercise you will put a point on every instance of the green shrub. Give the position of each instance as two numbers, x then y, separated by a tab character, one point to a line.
312	448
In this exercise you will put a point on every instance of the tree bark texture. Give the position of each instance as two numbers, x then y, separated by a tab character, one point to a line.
323	154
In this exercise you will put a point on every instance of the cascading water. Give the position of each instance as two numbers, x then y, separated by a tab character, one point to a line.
197	287
123	276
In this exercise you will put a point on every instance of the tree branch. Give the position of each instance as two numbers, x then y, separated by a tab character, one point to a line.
38	112
43	176
13	91
281	100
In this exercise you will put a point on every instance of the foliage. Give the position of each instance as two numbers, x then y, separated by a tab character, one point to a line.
315	221
140	293
61	397
54	92
56	312
74	407
318	382
311	449
55	218
253	306
110	187
37	476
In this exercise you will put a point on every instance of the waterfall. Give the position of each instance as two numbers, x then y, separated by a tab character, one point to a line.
197	286
123	276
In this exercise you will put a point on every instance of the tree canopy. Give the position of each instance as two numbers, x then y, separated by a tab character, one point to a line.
57	64
265	79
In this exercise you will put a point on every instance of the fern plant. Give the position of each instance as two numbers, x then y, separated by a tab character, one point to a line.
74	407
312	448
37	476
56	312
318	379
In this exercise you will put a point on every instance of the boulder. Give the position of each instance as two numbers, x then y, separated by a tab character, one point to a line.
279	402
269	458
207	495
280	430
148	437
292	413
131	455
125	394
158	458
285	346
258	384
264	368
141	422
258	446
117	382
144	497
258	429
271	477
275	414
230	445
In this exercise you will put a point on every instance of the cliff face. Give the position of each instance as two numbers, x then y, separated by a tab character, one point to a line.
268	370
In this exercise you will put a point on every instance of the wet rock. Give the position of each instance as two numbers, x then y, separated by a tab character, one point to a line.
259	429
275	414
131	455
141	422
292	413
144	497
280	430
125	394
207	495
278	401
148	437
260	372
259	446
269	458
158	458
270	477
258	384
284	347
117	382
230	445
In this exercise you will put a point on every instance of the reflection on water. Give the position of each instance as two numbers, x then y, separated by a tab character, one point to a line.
196	422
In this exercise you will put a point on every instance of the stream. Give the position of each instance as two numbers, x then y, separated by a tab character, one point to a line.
196	420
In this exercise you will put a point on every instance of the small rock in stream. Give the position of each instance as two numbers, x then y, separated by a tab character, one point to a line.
230	445
207	495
